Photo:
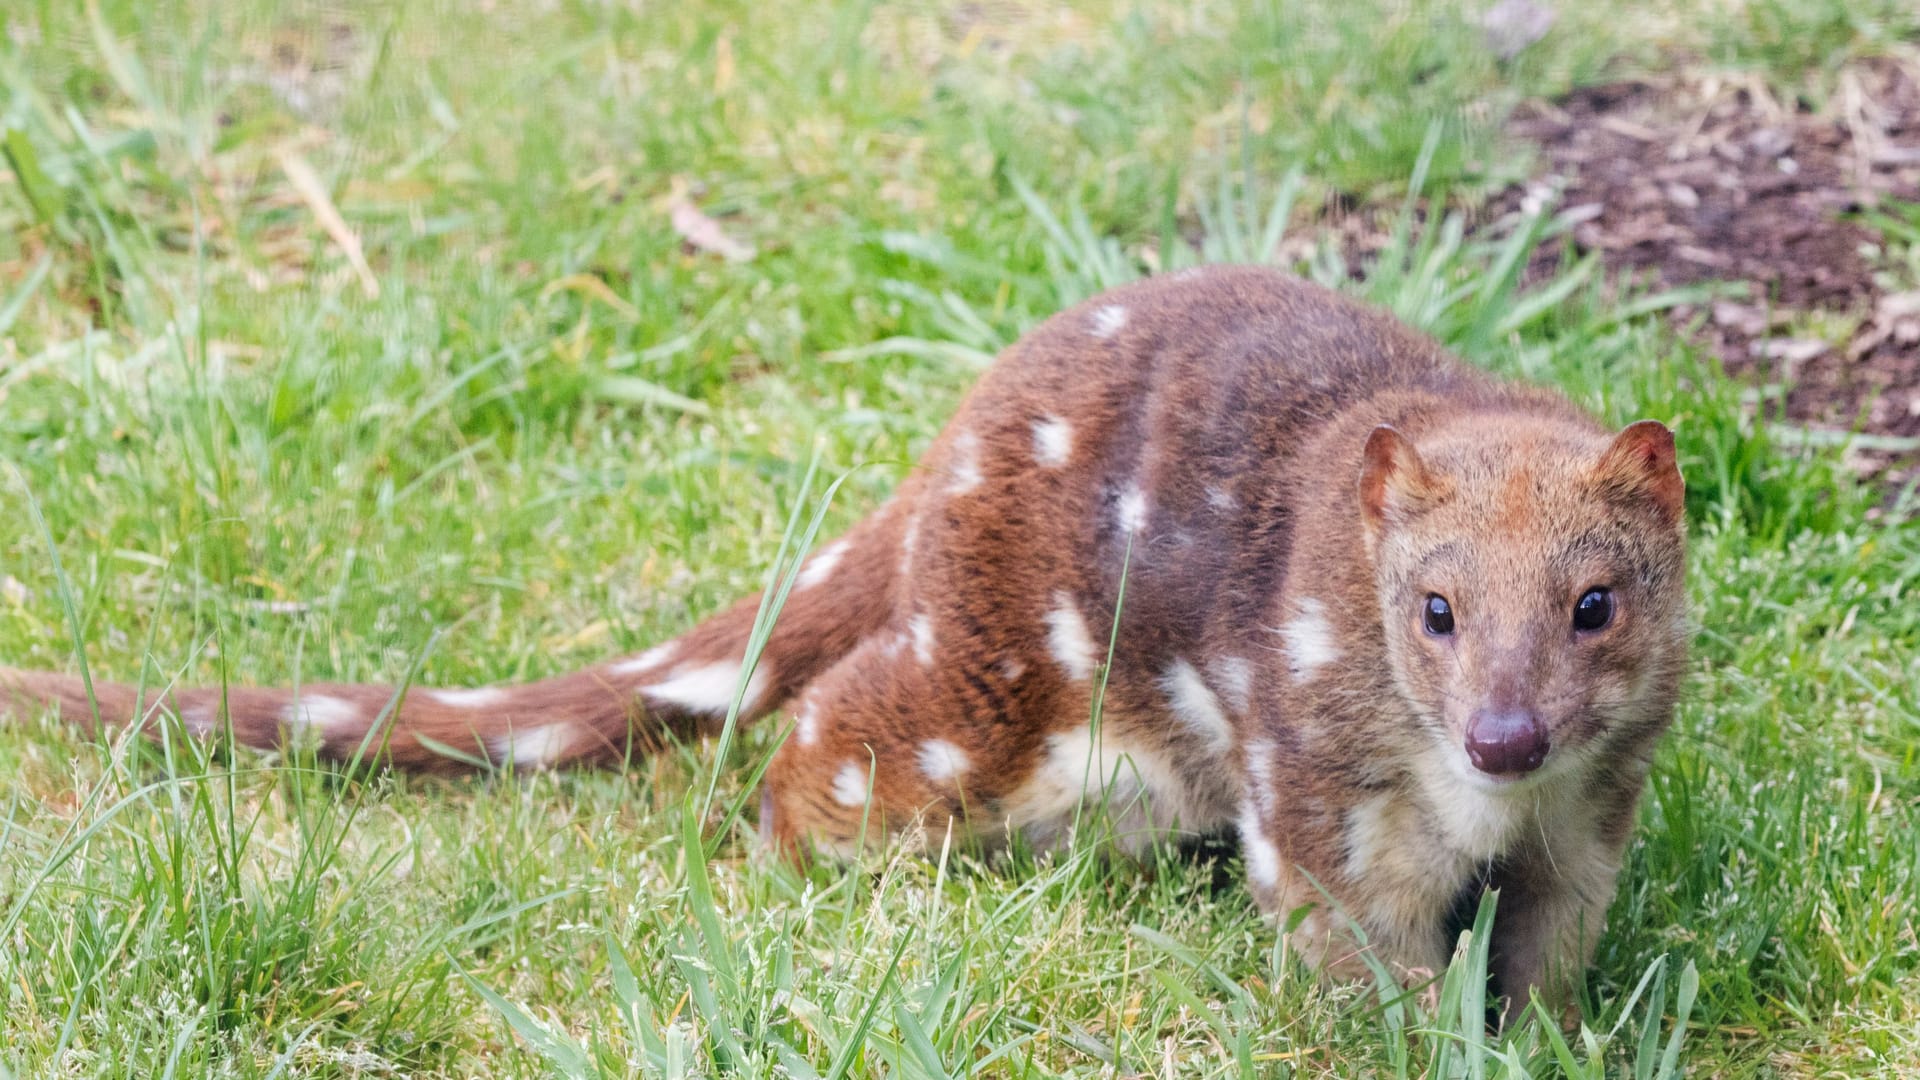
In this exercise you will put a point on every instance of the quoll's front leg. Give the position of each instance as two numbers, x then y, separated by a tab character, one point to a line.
1556	888
1551	914
1364	901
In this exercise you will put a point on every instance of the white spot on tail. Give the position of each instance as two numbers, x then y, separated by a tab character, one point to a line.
850	784
1068	639
941	760
966	464
1367	834
1234	676
1310	644
1132	510
921	628
646	661
1257	849
1052	442
707	688
320	712
534	748
1108	320
821	566
200	720
484	697
1195	706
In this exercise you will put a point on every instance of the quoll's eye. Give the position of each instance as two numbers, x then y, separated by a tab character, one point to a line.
1439	615
1594	611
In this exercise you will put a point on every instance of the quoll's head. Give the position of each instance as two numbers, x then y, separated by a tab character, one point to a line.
1530	576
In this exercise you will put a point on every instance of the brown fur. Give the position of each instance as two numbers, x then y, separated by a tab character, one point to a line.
1282	477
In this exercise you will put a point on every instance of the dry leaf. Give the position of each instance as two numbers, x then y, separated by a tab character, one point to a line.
592	287
1747	319
314	193
1512	25
723	64
1792	350
703	233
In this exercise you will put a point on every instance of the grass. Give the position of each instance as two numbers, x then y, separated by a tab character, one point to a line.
537	431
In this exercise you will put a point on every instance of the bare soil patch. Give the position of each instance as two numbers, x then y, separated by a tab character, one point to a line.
1699	179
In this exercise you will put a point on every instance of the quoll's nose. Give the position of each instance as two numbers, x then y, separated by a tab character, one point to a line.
1510	743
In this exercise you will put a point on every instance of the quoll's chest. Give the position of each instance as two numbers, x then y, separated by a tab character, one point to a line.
1470	821
1428	836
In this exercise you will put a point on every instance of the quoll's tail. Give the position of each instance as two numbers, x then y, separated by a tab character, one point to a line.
603	714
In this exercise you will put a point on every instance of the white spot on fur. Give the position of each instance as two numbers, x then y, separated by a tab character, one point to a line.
534	748
1310	644
907	543
1068	639
1012	669
1052	442
1075	766
1367	834
707	688
1312	929
1142	792
1108	320
1132	510
921	628
806	726
1195	706
1234	676
320	712
821	566
1257	849
1261	773
646	661
850	784
1221	499
966	464
484	697
891	647
941	760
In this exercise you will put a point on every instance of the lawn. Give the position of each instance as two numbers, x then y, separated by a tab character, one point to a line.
476	342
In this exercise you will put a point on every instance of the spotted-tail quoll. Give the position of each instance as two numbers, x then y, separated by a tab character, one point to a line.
1406	629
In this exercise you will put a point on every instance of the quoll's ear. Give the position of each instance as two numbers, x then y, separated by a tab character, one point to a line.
1394	483
1640	463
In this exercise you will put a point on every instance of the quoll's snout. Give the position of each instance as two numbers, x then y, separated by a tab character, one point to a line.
1506	743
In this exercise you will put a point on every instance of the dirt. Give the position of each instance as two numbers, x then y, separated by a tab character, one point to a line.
1697	179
